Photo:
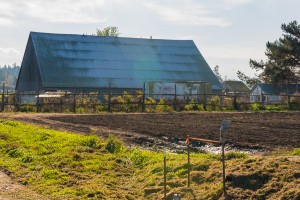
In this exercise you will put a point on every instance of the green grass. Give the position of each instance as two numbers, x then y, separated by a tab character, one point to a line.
296	152
61	165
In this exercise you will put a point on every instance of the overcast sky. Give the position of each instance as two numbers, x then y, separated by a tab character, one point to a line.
227	32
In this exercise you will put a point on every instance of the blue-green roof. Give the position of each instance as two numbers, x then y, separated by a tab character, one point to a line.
276	89
66	60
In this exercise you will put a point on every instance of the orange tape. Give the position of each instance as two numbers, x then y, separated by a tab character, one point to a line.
200	139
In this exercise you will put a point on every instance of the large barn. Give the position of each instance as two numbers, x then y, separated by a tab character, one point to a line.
68	62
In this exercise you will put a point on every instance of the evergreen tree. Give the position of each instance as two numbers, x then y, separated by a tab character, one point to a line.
250	82
9	75
283	63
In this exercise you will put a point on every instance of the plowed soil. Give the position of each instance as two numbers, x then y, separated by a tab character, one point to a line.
263	131
258	131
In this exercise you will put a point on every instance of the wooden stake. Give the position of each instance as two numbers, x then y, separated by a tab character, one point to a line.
165	175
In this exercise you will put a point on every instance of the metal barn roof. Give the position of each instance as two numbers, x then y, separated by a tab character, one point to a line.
276	89
235	86
85	61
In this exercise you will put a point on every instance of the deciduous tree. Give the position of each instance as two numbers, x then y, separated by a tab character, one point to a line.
217	73
109	31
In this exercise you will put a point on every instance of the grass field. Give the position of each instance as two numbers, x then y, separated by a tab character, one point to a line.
61	165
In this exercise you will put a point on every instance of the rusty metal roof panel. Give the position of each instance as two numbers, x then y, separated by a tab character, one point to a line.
91	61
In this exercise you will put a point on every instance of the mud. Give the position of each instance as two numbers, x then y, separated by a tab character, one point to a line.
253	132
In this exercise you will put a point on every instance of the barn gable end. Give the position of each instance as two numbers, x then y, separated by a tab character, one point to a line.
29	78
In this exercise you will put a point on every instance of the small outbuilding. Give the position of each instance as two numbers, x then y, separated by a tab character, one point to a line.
232	87
86	63
266	92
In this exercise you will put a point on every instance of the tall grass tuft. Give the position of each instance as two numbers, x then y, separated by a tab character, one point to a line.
114	145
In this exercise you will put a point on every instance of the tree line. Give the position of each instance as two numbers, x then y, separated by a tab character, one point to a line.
9	75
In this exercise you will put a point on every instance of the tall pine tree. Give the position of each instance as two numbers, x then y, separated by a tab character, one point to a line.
283	63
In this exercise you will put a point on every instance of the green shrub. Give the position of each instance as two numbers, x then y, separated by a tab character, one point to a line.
15	153
67	110
80	110
101	108
193	106
235	155
256	107
295	103
215	103
27	108
296	152
273	108
114	145
245	106
91	141
50	174
138	157
231	155
150	104
163	107
27	159
125	103
226	103
129	104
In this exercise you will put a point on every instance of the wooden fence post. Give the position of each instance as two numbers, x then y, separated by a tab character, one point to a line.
3	99
223	130
143	101
108	101
189	165
187	142
175	99
205	101
61	104
38	101
165	174
235	105
74	101
223	167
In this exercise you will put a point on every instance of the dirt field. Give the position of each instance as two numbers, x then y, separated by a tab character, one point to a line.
258	131
248	131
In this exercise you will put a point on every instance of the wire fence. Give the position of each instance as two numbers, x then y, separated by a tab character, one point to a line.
137	101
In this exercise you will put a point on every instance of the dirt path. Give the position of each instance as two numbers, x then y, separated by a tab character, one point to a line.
9	190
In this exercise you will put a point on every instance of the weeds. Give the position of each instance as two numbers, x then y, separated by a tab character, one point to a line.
114	145
296	152
72	166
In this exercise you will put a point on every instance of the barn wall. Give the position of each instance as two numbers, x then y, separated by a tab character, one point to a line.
29	79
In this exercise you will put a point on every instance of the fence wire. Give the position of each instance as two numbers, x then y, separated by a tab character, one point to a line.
137	101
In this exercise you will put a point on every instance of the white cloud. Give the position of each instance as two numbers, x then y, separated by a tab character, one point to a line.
66	11
186	14
235	2
241	51
181	12
6	14
9	50
187	37
5	21
9	55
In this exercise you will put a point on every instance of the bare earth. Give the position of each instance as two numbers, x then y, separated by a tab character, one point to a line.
10	190
250	131
265	131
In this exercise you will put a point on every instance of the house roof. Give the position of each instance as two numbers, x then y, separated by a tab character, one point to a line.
235	86
67	60
277	89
